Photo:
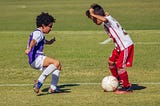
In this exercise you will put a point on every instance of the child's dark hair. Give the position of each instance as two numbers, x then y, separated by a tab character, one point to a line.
98	10
44	19
88	14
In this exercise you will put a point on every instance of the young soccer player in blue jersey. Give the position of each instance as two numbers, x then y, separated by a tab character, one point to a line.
36	57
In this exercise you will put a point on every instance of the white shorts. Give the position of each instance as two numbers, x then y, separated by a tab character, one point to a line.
38	63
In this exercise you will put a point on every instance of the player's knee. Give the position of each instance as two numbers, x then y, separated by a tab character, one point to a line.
111	64
58	64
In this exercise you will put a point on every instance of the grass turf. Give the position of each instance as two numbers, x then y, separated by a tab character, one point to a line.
70	14
84	61
77	47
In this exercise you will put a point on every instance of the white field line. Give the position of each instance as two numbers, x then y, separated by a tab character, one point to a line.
147	43
107	41
22	85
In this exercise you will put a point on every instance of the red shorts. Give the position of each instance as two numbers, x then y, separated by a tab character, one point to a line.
123	58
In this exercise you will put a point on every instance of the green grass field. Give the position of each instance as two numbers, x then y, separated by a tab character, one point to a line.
77	46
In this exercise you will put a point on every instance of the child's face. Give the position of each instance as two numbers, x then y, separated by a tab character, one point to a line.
96	21
47	29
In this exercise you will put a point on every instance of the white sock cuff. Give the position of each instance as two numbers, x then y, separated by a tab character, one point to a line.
56	72
52	66
49	69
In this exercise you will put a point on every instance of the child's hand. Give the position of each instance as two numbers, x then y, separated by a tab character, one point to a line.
27	51
50	41
91	10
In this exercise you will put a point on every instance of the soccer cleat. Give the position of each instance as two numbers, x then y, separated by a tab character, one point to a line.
37	86
124	90
121	92
120	85
57	90
129	89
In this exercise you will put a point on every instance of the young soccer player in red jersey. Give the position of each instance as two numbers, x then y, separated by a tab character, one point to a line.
122	54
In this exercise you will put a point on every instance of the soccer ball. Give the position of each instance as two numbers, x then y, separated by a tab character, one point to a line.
109	83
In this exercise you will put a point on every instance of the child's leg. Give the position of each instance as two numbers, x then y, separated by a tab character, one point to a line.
121	65
124	77
55	79
55	73
45	74
112	63
113	70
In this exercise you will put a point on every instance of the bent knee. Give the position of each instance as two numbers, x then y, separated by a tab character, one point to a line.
59	66
111	63
57	63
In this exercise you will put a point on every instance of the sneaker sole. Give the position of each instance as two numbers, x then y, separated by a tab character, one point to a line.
122	92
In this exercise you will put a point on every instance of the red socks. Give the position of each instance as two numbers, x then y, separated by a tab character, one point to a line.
124	77
121	75
113	70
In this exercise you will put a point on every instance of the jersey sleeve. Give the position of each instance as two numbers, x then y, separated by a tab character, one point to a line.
37	36
113	22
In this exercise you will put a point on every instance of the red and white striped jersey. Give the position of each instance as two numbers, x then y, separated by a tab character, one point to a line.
119	36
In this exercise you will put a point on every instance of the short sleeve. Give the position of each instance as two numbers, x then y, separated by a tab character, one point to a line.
37	36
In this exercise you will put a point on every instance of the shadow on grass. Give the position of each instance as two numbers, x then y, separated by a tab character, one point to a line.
62	89
138	87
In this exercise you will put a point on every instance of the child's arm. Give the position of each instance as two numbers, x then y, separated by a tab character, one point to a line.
32	44
102	18
49	42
